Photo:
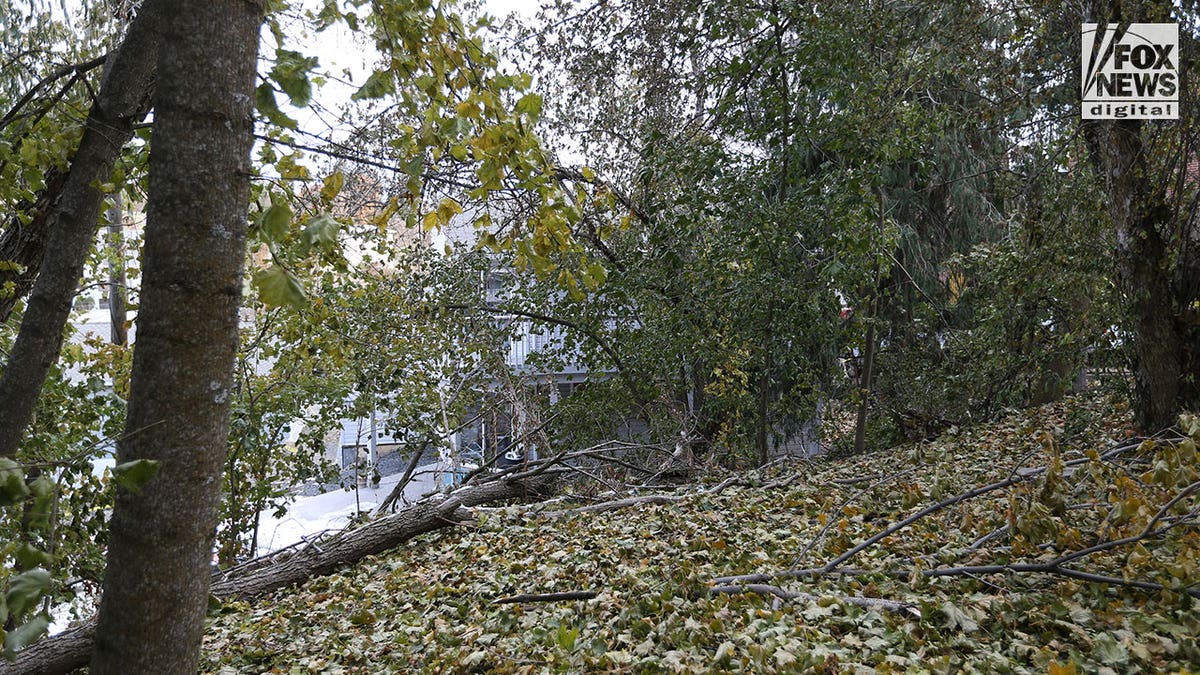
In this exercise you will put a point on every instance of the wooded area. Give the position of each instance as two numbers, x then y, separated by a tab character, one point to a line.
668	252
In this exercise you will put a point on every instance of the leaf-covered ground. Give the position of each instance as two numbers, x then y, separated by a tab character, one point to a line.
428	607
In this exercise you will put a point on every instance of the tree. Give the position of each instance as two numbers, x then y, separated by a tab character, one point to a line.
453	108
1148	169
48	66
160	546
71	220
782	166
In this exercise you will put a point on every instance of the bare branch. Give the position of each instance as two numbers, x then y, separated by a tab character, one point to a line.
783	594
546	597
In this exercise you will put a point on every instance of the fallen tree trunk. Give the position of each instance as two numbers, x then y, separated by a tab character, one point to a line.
62	653
294	566
71	649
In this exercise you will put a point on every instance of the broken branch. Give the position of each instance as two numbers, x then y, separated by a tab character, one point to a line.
546	597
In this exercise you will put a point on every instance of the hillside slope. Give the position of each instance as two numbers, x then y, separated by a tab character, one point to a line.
655	571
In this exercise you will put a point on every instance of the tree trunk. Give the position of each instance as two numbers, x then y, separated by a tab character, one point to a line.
1166	368
70	649
868	370
161	536
24	244
1158	245
376	536
763	423
122	102
864	389
116	274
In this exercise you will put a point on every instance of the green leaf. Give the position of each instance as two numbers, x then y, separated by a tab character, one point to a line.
724	653
1109	650
363	617
956	618
26	633
134	475
25	590
379	84
321	231
530	105
566	637
28	556
593	275
441	216
12	482
264	101
40	511
275	222
291	72
277	287
415	167
447	209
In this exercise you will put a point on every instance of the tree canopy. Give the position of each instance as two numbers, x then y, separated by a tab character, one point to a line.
633	242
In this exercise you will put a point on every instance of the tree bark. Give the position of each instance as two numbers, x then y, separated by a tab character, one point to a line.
1157	257
376	536
864	389
69	650
122	102
24	244
118	334
161	536
868	370
1166	363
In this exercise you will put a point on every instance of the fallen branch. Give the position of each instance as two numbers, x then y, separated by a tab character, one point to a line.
71	649
627	502
371	538
812	543
1054	567
661	499
546	597
786	574
783	594
615	504
398	491
934	508
1017	476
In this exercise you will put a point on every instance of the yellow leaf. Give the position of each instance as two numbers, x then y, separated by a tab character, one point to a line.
1062	669
332	185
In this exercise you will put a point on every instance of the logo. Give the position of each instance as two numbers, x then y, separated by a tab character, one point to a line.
1132	72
